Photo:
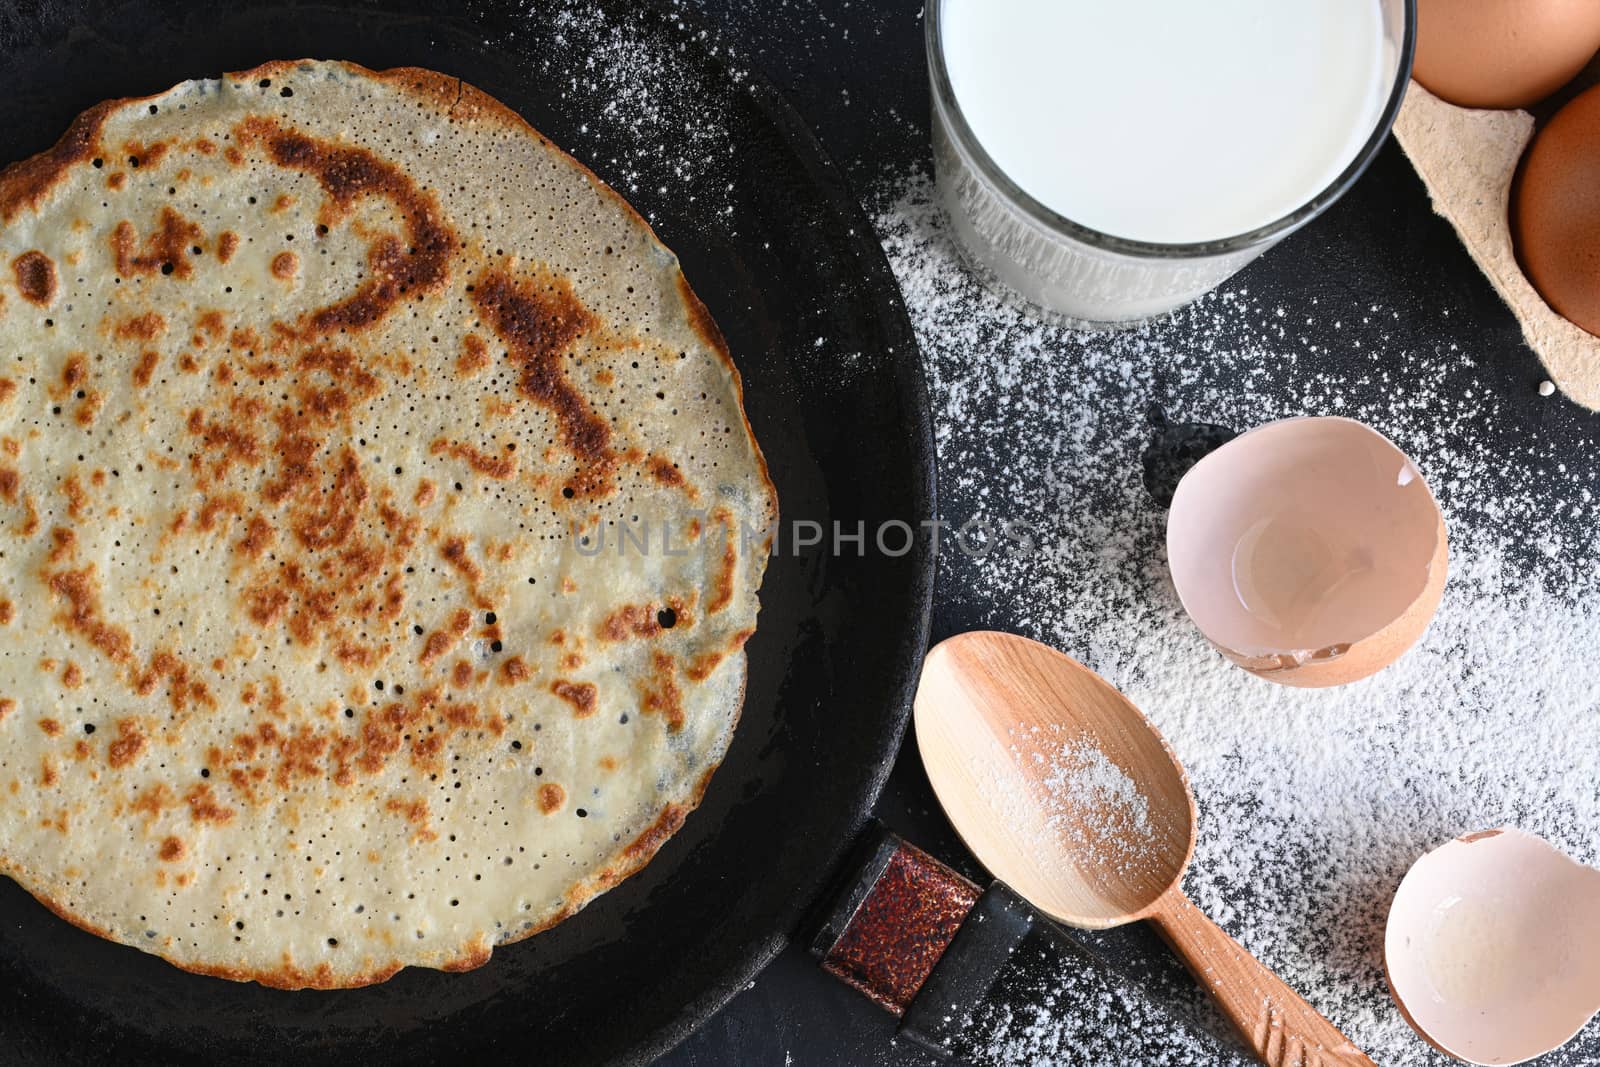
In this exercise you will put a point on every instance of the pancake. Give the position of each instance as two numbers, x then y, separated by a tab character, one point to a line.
380	528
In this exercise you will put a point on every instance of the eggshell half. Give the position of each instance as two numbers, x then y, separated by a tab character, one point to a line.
1493	947
1309	551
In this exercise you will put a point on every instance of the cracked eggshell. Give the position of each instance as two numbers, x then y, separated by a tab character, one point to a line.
1309	551
1493	947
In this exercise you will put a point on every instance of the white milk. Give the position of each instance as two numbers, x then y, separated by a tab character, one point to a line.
1170	121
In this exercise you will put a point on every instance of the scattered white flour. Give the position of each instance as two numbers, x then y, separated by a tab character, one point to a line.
1312	803
1092	811
639	128
1083	785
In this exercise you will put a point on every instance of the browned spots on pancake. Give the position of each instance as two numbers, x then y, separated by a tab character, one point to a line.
36	277
700	668
722	580
440	642
283	203
74	376
328	523
172	850
476	955
426	491
461	674
415	812
129	744
203	806
581	695
217	508
145	369
396	270
8	389
26	184
227	245
146	327
514	671
424	722
183	688
454	551
500	468
116	181
164	251
608	763
9	481
551	797
666	472
88	407
152	800
47	772
30	524
51	727
660	694
7	612
258	537
211	323
77	497
539	320
648	843
145	155
641	620
225	442
71	675
474	357
7	706
81	614
284	266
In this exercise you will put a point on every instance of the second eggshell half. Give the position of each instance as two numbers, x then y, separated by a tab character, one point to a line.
1309	551
1493	947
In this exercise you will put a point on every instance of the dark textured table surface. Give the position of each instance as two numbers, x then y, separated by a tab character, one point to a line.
855	71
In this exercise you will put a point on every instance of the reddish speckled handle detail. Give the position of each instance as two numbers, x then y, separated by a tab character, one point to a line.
902	927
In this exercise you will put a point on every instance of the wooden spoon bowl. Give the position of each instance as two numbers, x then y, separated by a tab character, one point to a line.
994	718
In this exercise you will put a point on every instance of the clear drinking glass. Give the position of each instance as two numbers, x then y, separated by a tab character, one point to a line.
1070	273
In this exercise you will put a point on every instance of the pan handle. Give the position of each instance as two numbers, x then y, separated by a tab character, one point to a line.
980	975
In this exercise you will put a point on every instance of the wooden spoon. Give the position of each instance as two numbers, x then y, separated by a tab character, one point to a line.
1067	793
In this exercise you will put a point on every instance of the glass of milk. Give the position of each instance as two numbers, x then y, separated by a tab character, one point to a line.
1110	160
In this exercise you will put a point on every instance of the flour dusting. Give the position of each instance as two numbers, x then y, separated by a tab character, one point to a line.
1313	803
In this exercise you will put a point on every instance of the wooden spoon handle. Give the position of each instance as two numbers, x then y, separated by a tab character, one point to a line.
1274	1020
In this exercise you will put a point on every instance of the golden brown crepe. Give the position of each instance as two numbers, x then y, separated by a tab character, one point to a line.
326	397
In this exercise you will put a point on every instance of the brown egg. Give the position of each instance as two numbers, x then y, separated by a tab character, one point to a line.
1503	53
1555	216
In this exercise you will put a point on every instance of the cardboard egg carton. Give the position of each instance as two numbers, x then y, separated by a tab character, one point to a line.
1468	160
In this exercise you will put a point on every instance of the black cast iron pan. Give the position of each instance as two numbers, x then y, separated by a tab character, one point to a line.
776	246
